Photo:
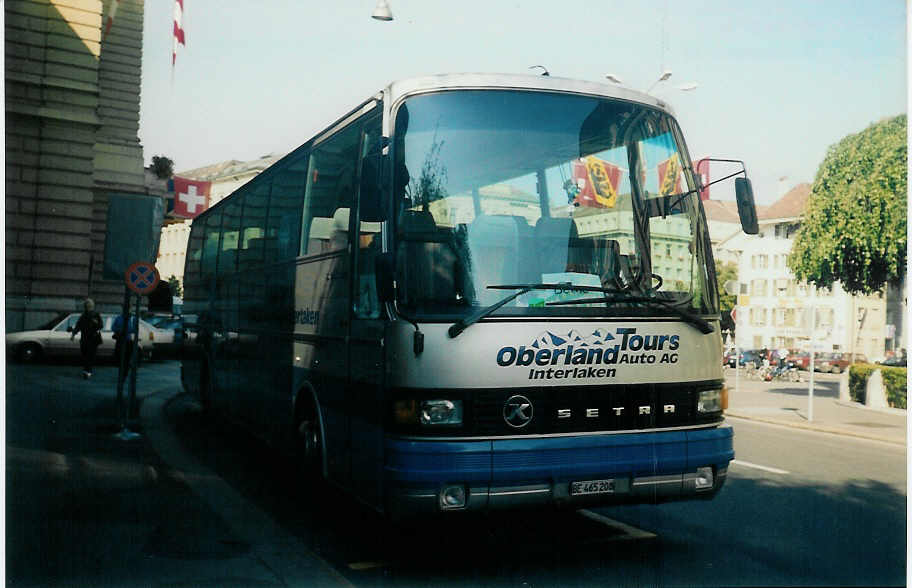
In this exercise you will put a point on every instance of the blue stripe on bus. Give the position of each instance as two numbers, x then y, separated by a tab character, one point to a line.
557	458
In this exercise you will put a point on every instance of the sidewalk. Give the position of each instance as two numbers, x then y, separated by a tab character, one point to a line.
786	403
84	508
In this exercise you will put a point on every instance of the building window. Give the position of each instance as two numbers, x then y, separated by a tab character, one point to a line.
758	317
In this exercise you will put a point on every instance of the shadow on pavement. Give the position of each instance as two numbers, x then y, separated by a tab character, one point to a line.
754	532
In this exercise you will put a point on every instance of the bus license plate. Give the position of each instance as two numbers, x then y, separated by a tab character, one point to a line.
592	487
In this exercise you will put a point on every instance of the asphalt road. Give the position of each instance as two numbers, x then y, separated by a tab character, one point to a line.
799	508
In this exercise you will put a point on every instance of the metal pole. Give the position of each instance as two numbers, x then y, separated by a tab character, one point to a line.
121	363
134	363
813	314
737	356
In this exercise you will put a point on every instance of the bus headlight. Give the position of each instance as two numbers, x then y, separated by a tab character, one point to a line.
709	401
440	412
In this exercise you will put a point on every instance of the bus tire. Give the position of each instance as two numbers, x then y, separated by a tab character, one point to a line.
205	388
309	436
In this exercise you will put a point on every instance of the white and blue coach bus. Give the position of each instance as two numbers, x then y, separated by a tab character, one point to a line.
473	292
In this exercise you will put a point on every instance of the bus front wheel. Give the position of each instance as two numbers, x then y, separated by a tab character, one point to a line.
309	442
205	388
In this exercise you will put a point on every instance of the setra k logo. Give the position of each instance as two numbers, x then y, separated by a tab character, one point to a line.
517	411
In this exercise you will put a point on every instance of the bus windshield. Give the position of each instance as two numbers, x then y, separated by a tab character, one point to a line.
506	187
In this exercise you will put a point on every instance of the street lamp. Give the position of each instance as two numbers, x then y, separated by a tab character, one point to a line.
382	11
544	69
688	86
665	75
613	79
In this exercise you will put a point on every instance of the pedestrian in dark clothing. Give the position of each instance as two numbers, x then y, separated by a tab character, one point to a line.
89	327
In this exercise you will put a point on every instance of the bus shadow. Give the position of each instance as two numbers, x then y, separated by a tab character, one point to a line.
856	530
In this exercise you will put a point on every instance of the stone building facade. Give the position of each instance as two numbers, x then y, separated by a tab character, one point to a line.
72	123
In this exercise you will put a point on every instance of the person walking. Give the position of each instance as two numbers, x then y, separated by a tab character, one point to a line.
89	327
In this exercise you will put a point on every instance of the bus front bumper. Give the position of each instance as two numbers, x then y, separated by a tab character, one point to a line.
422	476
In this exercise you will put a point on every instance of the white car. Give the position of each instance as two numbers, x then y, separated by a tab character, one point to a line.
53	339
165	334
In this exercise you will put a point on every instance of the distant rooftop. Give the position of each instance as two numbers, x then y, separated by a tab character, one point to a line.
231	167
791	205
726	211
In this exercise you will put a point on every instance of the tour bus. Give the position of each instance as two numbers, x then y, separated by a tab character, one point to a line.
473	292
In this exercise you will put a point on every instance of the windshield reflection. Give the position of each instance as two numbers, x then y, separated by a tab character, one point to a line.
502	187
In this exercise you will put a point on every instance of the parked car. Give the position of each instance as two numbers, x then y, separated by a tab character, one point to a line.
751	355
799	359
52	339
895	361
837	363
166	334
728	358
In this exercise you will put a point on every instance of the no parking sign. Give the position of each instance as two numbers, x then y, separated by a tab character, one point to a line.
141	277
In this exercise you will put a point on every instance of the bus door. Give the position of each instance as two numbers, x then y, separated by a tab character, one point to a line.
323	289
366	361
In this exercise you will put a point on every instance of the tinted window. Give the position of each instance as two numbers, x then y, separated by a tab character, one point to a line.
330	192
284	215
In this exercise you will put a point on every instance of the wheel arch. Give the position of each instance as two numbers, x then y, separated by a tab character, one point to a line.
306	399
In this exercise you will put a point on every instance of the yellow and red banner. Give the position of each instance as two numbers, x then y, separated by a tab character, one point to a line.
670	176
598	181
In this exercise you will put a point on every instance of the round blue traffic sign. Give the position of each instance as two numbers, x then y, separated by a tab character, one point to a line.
141	277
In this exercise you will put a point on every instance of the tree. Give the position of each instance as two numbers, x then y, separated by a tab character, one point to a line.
854	230
176	289
725	272
162	167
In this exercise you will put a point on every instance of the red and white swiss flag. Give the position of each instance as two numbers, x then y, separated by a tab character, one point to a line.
178	36
191	197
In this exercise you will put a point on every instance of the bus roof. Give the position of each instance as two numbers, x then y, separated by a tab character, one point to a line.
407	86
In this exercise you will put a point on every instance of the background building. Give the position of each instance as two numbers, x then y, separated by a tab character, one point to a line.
72	121
774	309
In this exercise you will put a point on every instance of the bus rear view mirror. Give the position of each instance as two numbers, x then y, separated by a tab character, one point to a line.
747	210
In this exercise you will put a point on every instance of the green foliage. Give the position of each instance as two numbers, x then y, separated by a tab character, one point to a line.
725	272
854	229
176	288
162	167
895	381
858	380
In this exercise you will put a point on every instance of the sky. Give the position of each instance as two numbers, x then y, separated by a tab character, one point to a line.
778	81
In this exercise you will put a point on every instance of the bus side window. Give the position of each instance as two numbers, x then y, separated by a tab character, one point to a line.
330	182
286	195
370	213
210	244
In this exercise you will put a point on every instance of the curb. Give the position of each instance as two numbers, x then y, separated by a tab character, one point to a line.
885	410
817	428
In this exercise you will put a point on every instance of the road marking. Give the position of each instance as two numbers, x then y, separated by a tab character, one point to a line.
629	533
748	464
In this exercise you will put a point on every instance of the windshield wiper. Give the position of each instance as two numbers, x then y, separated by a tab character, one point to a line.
462	324
692	319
